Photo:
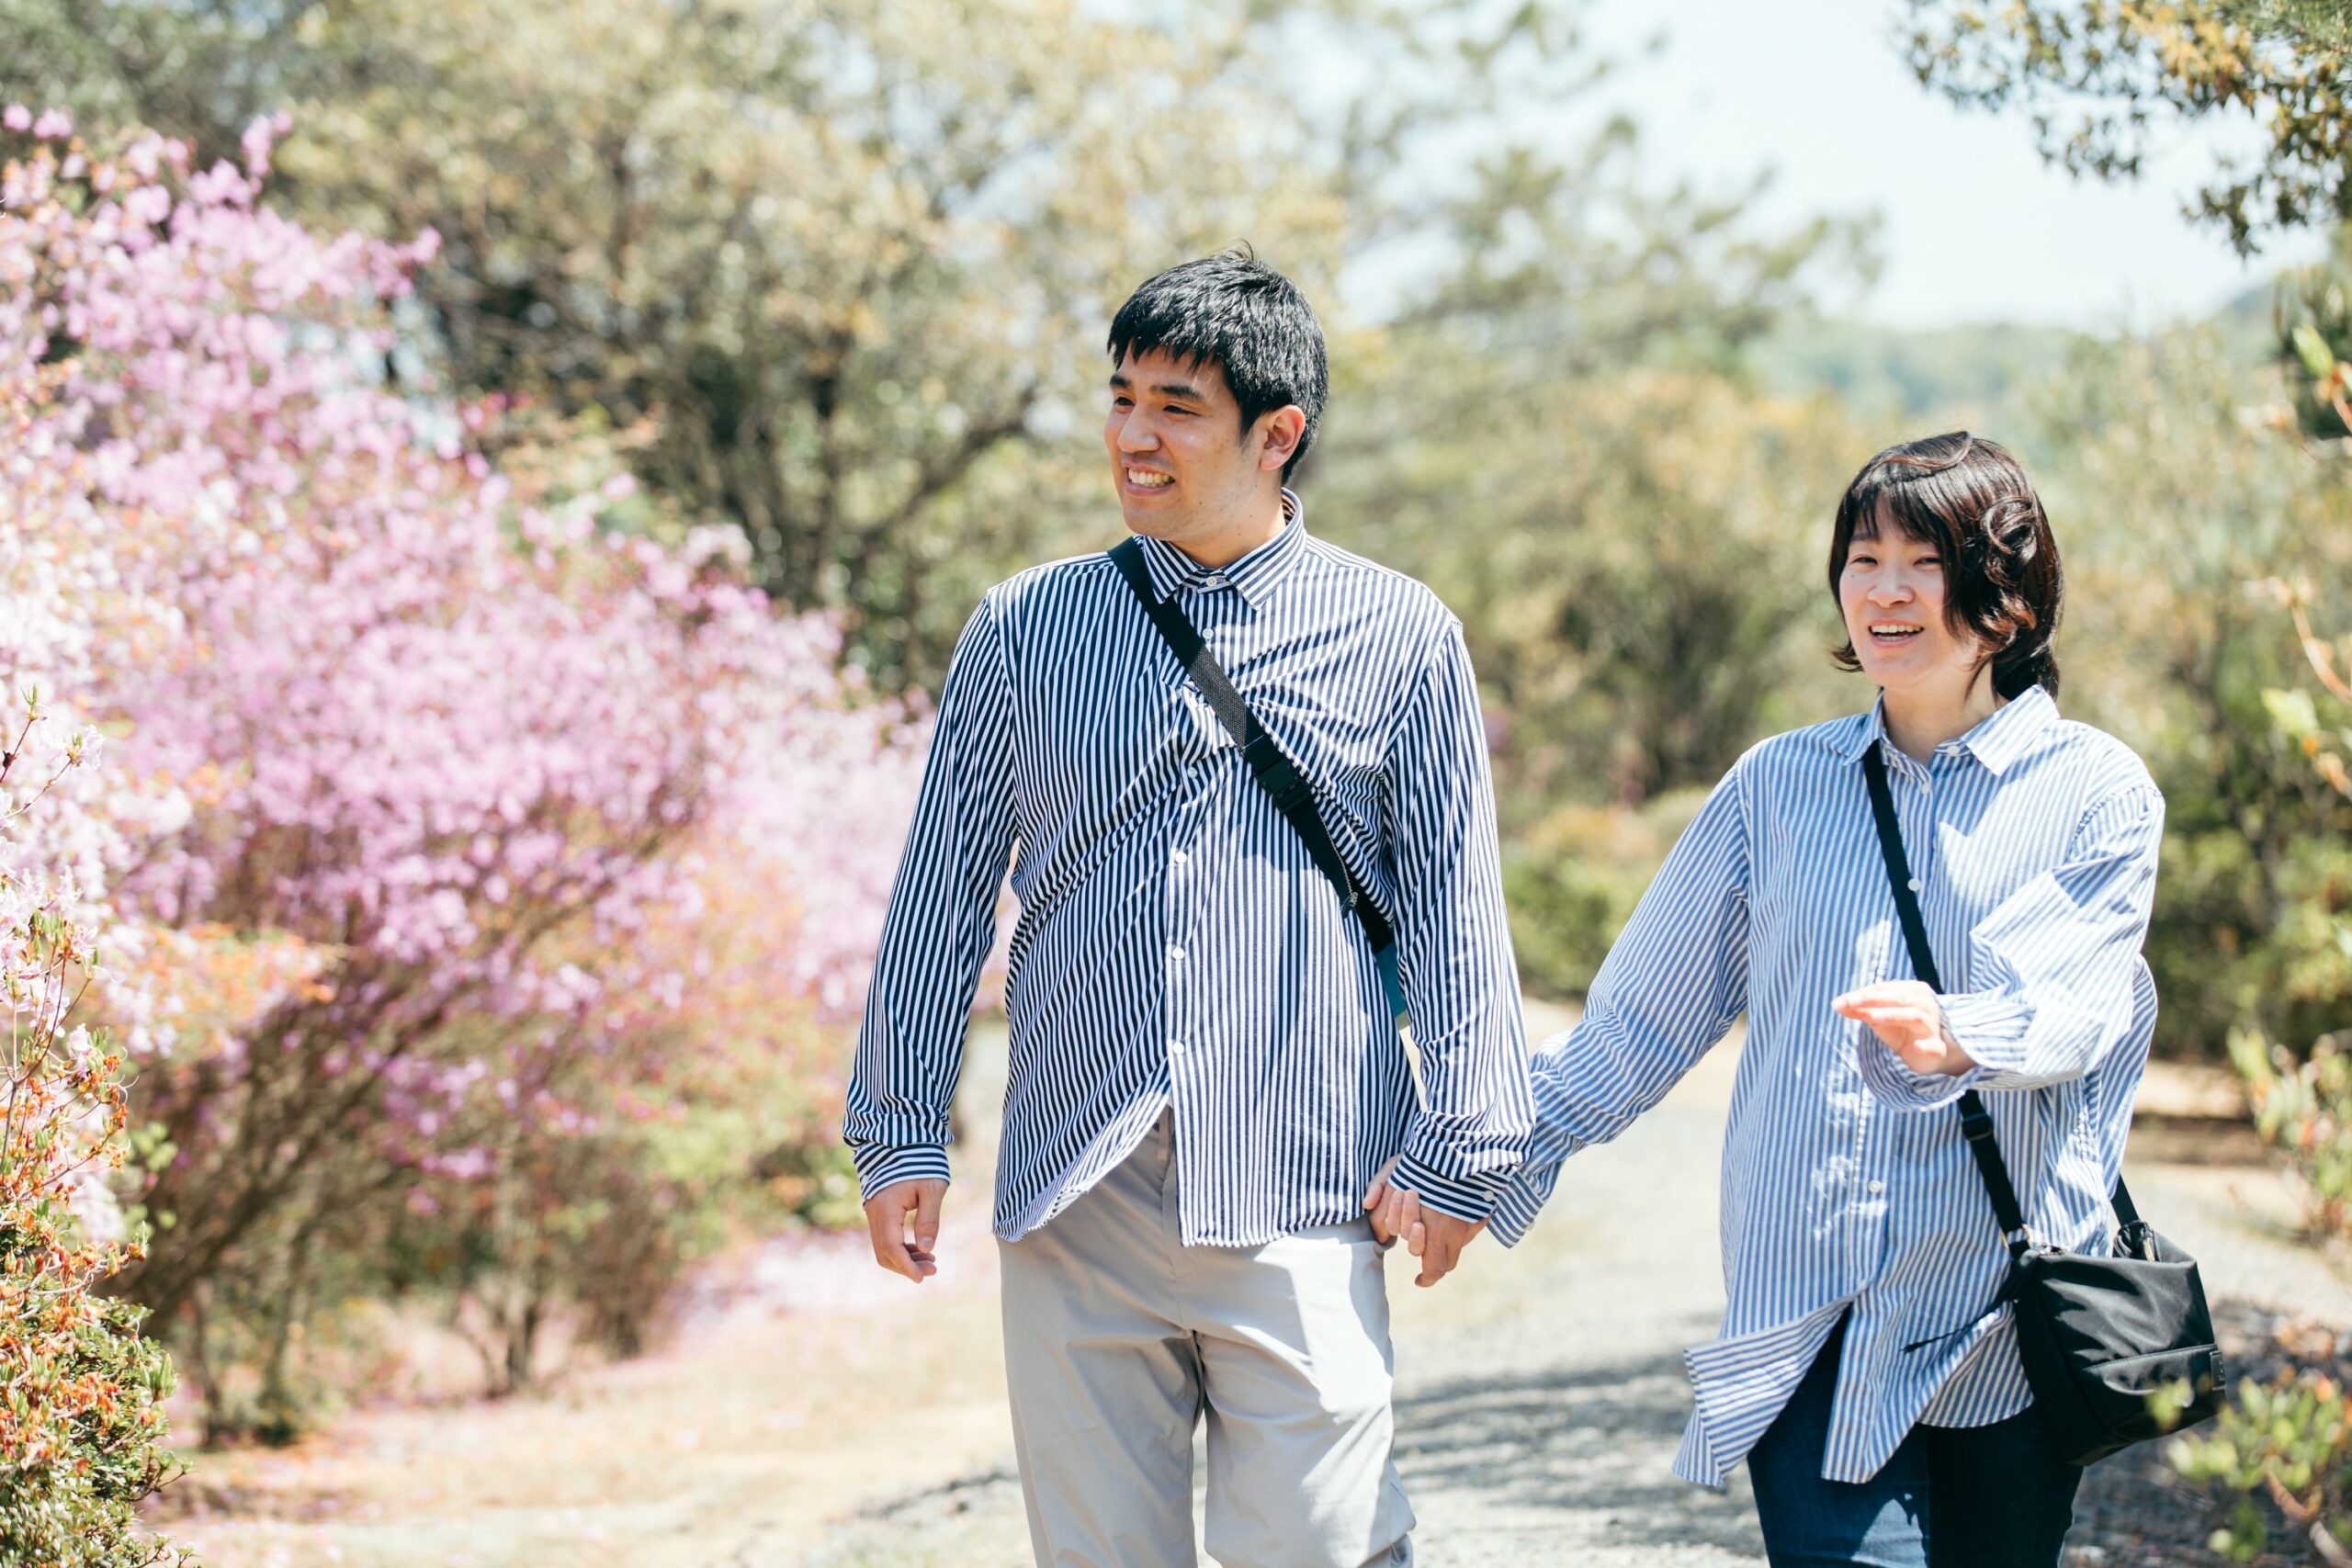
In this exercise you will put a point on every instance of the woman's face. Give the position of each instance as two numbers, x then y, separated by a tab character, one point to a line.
1891	592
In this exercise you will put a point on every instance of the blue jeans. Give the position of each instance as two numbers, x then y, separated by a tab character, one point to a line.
1950	1497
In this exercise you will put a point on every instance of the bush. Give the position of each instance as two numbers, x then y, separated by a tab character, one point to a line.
2290	1440
81	1419
1572	884
2280	1452
433	753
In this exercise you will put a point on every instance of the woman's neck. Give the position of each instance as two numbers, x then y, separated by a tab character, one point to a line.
1919	722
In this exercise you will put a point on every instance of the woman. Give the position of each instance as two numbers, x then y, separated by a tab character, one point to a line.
1865	1371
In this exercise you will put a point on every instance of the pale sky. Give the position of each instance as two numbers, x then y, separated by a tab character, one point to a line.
1974	227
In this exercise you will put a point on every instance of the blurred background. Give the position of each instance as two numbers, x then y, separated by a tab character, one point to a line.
491	487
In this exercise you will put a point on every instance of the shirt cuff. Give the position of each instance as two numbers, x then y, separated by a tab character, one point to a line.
1466	1198
1519	1199
1991	1027
880	1165
1894	1083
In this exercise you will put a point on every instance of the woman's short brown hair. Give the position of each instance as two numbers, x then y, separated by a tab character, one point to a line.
1969	499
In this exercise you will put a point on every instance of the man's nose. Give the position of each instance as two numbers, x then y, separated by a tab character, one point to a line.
1137	435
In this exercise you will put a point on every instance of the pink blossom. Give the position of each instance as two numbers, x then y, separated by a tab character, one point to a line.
452	789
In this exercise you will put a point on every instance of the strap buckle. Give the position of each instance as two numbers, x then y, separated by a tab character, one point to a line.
1282	780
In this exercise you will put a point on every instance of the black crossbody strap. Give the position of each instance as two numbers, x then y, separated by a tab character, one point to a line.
1975	1121
1268	765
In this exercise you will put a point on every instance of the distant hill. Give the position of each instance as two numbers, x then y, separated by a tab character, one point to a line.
1980	370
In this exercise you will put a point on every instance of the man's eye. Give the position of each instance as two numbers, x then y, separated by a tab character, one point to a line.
1173	409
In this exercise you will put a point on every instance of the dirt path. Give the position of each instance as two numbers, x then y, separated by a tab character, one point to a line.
825	1416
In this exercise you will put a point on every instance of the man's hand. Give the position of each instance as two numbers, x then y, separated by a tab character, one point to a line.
900	1246
1905	1014
1435	1238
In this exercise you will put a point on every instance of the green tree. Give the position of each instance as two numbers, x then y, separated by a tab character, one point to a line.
2097	76
839	269
2172	500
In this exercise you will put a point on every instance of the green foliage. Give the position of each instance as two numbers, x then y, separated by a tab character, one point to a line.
843	270
1638	560
79	1508
2094	75
2286	1443
2304	1106
81	1401
2291	1442
2314	341
2170	502
1573	880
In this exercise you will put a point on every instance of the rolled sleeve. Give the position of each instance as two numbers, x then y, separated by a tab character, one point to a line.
2052	969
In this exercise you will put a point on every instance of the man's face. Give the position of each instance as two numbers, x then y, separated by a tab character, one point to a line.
1185	467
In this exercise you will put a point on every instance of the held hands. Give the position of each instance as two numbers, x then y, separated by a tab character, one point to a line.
895	1212
1905	1014
1435	1238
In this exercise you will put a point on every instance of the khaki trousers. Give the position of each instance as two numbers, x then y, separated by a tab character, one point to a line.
1117	1338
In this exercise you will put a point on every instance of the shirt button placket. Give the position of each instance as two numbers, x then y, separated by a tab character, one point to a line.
1177	861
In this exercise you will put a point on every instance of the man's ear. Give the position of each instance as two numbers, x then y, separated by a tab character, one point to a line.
1279	433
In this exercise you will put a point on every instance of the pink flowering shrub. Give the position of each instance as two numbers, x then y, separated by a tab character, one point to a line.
424	778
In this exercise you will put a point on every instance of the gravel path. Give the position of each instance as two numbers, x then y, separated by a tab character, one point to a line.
1540	1393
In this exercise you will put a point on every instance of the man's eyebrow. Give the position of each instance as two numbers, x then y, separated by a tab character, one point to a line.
1184	390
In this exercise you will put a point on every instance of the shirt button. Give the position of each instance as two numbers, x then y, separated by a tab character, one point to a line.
1175	1047
1876	1187
1177	858
1214	579
1915	884
1175	952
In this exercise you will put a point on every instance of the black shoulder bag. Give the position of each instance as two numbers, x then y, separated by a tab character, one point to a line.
1269	766
2118	1349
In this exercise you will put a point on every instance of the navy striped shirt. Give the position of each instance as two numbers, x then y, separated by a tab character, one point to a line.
1847	1186
1176	944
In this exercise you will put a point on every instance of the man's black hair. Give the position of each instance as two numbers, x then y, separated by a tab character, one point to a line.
1235	313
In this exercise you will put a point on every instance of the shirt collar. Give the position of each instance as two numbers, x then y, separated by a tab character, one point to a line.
1254	576
1996	742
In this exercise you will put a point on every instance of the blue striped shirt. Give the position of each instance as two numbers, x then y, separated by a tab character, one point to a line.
1176	944
1846	1184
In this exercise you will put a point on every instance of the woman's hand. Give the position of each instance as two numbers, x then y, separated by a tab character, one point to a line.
1436	1239
1906	1015
1376	1204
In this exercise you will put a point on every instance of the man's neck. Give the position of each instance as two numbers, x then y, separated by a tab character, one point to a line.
1227	544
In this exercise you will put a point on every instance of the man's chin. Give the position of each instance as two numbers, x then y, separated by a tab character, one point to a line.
1151	524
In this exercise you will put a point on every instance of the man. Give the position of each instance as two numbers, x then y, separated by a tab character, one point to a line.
1204	1071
